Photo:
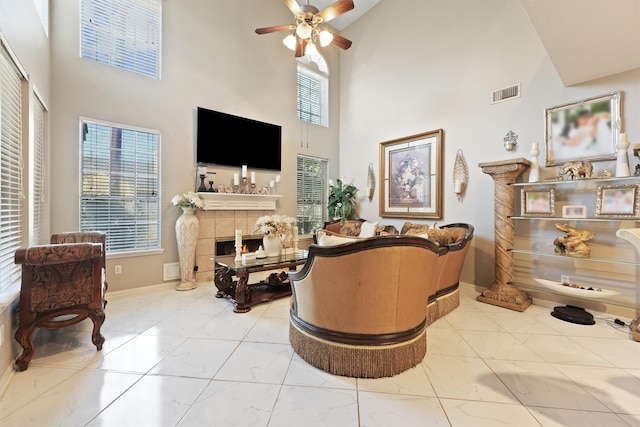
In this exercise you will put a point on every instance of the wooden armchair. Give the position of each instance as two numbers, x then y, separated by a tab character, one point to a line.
59	280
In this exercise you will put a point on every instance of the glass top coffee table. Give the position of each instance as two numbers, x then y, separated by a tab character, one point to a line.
245	295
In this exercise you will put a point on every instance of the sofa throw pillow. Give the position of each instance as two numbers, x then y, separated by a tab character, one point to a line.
350	228
368	229
441	236
326	238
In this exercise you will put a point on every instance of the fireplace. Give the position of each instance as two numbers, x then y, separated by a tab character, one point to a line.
226	245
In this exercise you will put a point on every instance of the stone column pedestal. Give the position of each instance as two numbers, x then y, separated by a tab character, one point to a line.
501	293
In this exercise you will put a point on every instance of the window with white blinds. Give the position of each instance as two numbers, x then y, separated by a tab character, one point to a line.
120	185
313	98
11	194
122	33
38	170
312	193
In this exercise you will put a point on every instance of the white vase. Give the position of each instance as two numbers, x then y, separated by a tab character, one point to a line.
534	170
272	245
622	159
187	229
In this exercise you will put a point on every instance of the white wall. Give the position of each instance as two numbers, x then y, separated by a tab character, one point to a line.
211	58
416	66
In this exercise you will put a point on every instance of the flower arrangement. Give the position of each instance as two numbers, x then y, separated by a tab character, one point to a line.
342	199
409	173
274	225
187	200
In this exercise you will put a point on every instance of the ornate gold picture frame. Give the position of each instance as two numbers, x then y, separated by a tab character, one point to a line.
618	201
538	202
411	176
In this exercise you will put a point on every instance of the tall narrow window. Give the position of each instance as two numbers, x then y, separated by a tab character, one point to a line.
313	90
38	169
120	185
122	33
312	193
11	194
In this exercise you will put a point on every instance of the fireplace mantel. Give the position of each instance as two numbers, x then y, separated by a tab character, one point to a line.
235	201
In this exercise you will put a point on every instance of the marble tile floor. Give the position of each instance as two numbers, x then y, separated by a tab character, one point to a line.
185	359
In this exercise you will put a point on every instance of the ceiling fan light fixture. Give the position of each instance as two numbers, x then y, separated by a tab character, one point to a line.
290	41
304	30
311	49
325	38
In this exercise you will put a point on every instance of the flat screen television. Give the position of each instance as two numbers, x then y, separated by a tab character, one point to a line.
228	140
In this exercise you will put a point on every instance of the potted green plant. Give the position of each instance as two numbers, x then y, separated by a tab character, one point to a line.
342	200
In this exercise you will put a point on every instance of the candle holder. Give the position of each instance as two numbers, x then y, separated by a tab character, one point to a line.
245	187
238	253
211	177
253	188
236	188
202	186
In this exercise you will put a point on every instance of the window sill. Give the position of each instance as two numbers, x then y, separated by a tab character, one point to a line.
9	295
131	254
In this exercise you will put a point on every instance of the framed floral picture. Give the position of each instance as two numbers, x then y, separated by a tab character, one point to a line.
411	176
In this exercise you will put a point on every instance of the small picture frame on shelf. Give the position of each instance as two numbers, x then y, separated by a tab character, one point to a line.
537	202
574	211
617	201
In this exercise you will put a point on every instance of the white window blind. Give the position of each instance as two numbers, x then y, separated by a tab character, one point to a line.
313	89
122	33
311	194
38	172
10	169
120	185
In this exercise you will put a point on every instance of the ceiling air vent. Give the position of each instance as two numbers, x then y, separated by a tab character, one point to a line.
505	94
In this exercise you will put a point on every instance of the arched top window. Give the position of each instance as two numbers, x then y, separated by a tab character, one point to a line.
313	89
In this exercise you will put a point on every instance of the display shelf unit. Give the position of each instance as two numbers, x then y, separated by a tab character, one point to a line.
614	264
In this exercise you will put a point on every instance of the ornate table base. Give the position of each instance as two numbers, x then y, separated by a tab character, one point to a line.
245	295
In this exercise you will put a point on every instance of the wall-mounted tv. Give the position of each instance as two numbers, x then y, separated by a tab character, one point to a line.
228	140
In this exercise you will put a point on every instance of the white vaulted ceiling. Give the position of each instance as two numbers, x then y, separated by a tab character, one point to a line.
588	39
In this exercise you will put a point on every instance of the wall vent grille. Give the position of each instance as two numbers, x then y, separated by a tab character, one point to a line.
170	271
505	93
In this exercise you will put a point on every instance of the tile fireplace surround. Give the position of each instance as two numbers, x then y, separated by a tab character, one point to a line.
221	216
220	223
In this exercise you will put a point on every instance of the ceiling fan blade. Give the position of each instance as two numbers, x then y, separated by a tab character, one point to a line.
341	42
275	29
335	10
293	6
301	46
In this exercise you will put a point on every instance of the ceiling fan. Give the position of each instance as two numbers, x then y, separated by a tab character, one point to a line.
308	29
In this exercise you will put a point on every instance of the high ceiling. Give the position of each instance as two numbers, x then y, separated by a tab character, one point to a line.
585	39
588	39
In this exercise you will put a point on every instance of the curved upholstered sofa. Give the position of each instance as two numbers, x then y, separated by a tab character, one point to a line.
359	309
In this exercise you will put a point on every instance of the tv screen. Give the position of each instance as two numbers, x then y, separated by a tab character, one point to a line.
228	140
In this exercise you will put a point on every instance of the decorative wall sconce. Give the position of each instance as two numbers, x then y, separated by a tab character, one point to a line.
510	141
460	175
371	182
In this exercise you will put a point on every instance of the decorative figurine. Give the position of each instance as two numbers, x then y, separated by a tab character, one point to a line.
576	170
573	243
